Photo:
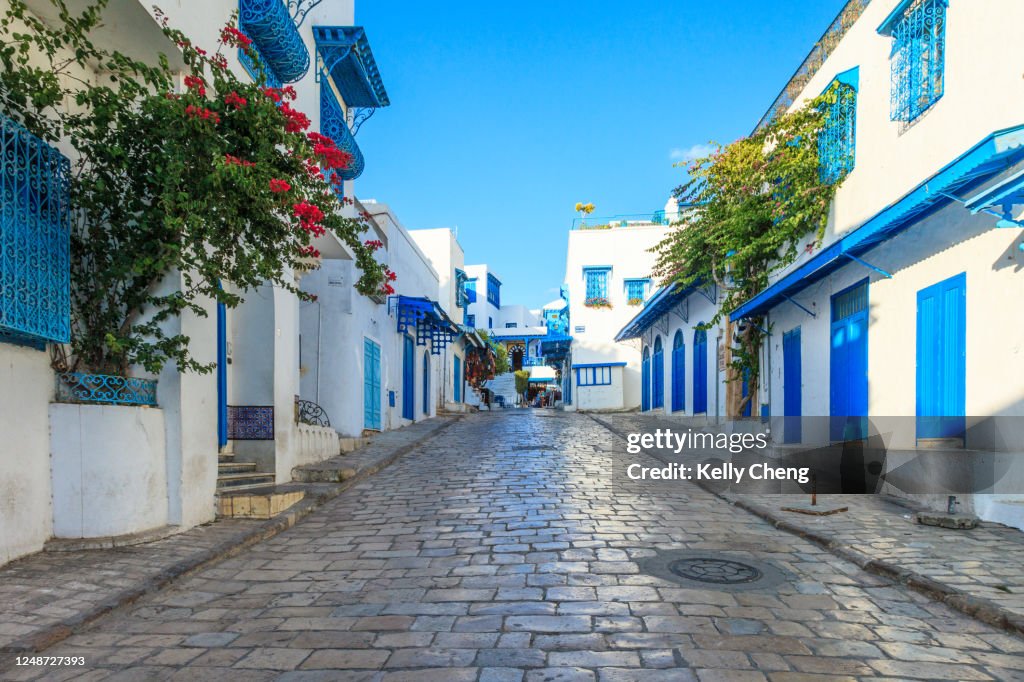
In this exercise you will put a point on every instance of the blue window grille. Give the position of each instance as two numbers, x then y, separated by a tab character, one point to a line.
493	291
838	138
461	296
918	58
596	280
636	290
334	126
471	320
253	69
594	376
76	387
270	25
35	238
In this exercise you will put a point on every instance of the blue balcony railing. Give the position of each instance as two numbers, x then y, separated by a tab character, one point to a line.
334	126
270	25
35	238
623	220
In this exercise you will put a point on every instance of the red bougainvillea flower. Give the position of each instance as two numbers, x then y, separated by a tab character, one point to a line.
289	92
277	186
272	93
317	138
202	113
235	161
332	157
219	62
235	100
391	275
311	251
387	289
373	244
309	217
296	121
230	35
196	85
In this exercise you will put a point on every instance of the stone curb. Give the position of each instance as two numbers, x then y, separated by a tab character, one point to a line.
984	610
319	494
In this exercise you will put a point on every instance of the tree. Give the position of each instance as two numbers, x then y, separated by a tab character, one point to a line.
522	377
755	201
220	182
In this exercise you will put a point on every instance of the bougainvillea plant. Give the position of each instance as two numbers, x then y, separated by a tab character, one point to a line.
186	187
755	201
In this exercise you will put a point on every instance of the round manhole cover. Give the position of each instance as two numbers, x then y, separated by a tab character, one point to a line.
718	571
701	569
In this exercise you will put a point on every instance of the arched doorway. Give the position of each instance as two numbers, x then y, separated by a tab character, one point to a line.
678	372
658	375
516	355
645	381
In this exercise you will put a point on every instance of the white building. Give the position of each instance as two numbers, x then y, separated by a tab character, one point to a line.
608	276
89	468
484	290
895	329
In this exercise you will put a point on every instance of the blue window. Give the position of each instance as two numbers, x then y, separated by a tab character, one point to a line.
636	290
596	280
470	320
837	141
493	290
917	62
490	323
594	376
461	298
35	237
511	325
471	290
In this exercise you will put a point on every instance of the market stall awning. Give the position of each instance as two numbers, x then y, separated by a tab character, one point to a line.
347	59
995	154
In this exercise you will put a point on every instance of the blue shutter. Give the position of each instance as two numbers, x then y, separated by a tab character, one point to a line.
678	373
848	364
700	371
942	359
658	375
426	384
458	379
371	385
792	386
408	378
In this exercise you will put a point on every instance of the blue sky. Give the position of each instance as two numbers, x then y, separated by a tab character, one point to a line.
504	115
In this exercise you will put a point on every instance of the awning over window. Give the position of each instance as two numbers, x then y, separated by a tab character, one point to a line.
348	60
426	319
663	301
993	155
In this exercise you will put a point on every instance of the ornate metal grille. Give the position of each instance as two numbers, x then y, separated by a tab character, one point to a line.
270	25
597	282
252	68
77	387
837	142
35	233
311	413
636	291
334	126
918	59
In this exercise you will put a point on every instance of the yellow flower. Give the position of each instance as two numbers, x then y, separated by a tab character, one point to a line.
579	206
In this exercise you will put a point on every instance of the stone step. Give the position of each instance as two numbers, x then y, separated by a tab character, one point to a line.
249	480
262	502
235	468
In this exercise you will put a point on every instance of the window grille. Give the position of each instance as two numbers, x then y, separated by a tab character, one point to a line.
837	141
493	291
597	282
918	59
35	234
849	302
594	376
636	289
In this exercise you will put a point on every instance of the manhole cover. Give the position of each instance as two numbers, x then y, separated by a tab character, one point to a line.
719	571
702	569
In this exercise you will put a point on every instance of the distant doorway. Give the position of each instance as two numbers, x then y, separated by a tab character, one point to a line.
516	355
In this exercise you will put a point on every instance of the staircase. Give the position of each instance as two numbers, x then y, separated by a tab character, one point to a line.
503	385
244	493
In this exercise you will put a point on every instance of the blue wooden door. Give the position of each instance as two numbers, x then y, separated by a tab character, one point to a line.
645	381
426	384
848	370
678	373
408	378
792	387
700	371
458	379
748	407
942	359
371	385
222	375
658	375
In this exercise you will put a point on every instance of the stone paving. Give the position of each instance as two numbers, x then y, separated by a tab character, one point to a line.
505	551
985	565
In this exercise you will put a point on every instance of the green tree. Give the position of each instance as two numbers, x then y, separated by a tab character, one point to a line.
522	377
751	204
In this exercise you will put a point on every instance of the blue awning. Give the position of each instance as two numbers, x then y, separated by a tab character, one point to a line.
1000	199
993	155
347	58
659	304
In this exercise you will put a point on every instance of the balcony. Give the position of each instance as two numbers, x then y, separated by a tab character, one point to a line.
624	220
270	25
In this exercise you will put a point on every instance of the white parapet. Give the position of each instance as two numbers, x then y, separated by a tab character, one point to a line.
108	468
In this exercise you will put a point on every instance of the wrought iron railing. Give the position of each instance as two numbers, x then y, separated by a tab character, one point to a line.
308	412
271	27
105	389
534	362
624	220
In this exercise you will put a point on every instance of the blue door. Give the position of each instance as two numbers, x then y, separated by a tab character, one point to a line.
678	373
645	381
658	373
792	389
426	384
848	369
371	385
942	359
700	371
748	406
458	379
408	378
222	376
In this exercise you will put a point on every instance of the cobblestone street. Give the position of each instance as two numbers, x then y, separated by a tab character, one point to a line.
503	551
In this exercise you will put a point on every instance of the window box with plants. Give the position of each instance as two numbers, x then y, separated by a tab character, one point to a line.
597	302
